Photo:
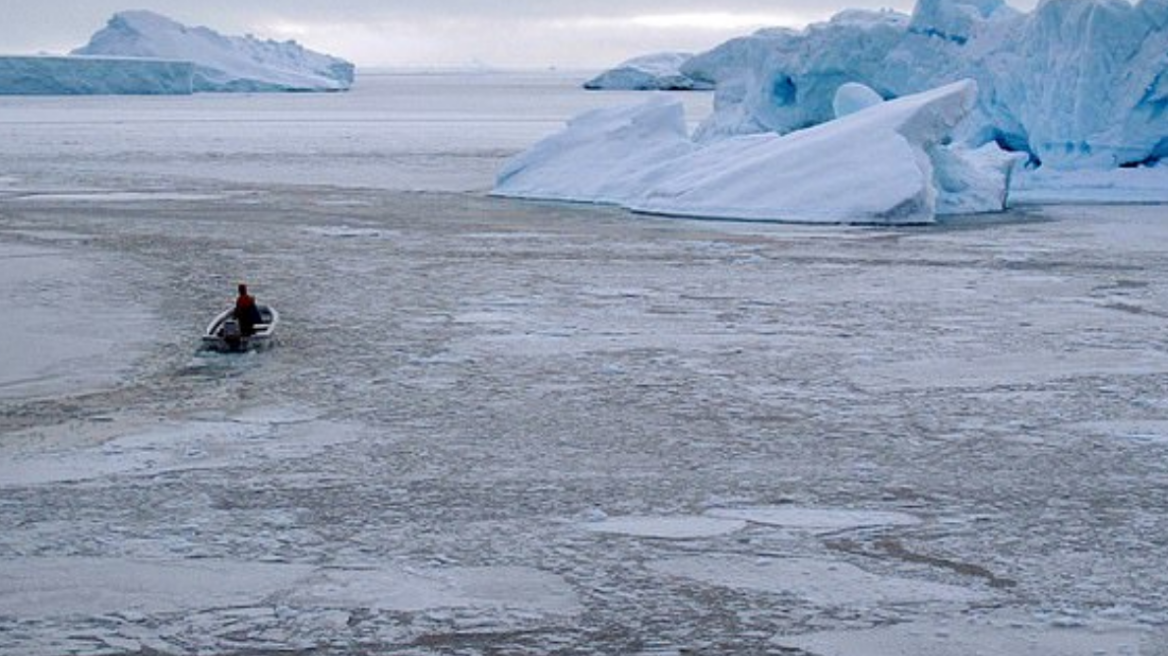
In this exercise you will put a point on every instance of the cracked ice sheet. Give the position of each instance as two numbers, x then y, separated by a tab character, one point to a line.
38	588
45	351
69	605
1010	369
819	520
819	582
973	637
413	590
668	528
256	435
1148	431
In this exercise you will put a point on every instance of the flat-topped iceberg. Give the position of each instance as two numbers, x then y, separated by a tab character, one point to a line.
661	71
1073	84
885	164
48	75
221	63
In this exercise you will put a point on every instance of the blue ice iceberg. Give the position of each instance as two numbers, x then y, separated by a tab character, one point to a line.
47	75
1073	84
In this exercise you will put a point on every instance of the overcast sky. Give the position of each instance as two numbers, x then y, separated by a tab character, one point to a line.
505	33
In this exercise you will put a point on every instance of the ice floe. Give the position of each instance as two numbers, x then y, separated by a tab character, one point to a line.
816	519
668	528
815	581
177	446
973	637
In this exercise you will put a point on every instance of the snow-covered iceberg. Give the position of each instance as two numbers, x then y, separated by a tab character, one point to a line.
661	71
48	75
885	164
1073	84
221	63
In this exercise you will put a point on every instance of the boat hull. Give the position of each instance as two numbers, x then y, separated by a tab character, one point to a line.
222	333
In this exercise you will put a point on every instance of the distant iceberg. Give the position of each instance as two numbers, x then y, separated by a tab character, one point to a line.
221	63
48	75
661	71
140	52
886	164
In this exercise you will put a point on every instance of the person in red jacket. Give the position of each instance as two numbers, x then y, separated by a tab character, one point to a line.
246	312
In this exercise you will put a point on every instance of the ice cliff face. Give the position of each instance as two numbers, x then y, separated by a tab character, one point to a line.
221	63
44	75
1073	84
661	71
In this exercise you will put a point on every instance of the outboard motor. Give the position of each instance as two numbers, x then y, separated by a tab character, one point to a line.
231	333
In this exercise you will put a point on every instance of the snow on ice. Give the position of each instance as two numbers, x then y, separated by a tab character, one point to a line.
657	71
221	63
140	52
886	164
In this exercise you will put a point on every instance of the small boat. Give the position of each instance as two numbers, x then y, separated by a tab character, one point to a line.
225	335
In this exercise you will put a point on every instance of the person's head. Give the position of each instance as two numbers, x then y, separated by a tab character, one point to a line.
242	289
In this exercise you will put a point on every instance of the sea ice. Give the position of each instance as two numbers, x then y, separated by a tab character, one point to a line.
45	350
969	637
392	589
819	582
816	519
269	434
668	528
68	587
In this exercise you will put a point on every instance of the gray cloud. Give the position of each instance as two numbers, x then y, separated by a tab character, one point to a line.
584	33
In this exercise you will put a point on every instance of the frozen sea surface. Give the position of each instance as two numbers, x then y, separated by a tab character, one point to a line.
391	131
504	428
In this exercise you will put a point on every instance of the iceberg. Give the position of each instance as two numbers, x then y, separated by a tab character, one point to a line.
220	63
886	164
602	156
1073	84
851	97
48	75
661	71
